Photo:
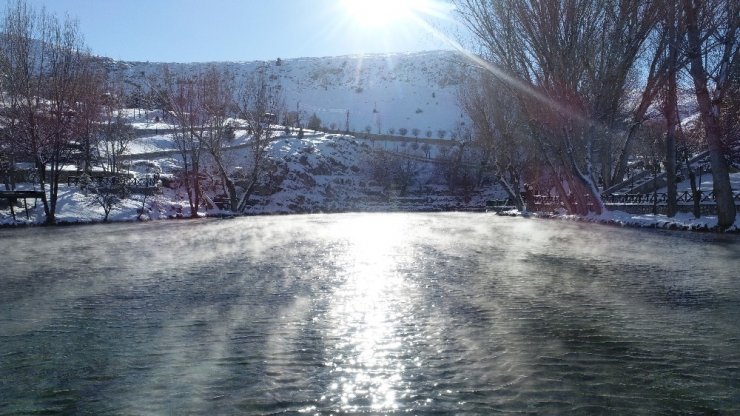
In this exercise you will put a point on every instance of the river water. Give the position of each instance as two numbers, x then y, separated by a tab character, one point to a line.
368	313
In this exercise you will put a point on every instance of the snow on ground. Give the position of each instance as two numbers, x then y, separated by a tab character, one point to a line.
316	173
151	144
706	184
682	221
74	206
409	90
140	118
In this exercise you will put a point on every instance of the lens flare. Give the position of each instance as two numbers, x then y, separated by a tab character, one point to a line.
376	14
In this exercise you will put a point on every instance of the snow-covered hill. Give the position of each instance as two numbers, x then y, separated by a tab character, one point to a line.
412	90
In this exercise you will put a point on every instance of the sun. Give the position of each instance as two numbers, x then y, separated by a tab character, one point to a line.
379	13
381	26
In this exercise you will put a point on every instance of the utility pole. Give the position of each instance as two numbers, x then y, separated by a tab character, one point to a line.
298	114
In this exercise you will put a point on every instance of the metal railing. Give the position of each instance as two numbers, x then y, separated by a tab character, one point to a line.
142	182
706	197
659	198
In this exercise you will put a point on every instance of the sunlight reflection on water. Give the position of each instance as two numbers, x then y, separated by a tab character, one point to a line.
368	313
364	314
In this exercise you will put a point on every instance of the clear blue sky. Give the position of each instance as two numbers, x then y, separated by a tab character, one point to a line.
244	30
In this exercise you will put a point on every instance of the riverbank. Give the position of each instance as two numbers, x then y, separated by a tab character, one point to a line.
316	173
681	222
77	208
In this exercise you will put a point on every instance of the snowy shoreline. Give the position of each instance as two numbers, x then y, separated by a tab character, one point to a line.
315	173
610	218
682	222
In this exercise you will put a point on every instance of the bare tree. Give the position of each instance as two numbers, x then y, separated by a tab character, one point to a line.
499	128
391	170
380	170
257	102
114	134
569	63
426	148
405	172
45	67
185	97
711	49
731	113
217	104
654	83
89	110
314	122
455	165
201	105
672	38
106	193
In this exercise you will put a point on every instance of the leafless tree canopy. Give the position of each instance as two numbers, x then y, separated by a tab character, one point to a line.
48	75
582	75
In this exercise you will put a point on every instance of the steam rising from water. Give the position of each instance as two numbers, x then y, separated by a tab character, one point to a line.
367	313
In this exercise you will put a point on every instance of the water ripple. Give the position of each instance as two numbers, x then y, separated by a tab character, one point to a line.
420	314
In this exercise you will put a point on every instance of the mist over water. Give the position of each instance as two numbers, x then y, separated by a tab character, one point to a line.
368	313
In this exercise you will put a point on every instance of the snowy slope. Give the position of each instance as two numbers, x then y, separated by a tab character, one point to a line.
412	90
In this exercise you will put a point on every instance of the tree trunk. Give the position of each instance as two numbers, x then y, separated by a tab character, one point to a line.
54	188
670	166
585	179
187	179
606	164
653	84
511	189
233	199
564	196
709	112
228	183
250	188
243	204
670	111
194	160
694	191
41	172
726	210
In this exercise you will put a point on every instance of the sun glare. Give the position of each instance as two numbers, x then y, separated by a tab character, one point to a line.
379	13
380	26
